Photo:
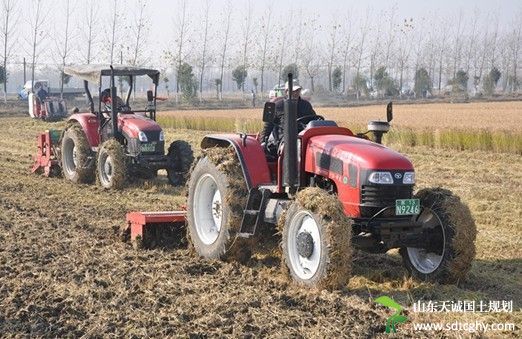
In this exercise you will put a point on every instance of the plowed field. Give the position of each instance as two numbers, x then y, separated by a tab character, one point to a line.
64	270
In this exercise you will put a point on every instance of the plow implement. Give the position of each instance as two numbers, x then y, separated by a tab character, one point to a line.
143	229
46	159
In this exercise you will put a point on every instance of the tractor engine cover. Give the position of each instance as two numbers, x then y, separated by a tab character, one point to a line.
347	161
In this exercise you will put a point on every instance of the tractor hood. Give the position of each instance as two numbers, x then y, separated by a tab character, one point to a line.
132	124
359	152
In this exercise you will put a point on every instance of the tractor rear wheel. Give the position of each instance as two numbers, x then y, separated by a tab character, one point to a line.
216	200
317	240
450	231
76	156
181	157
111	165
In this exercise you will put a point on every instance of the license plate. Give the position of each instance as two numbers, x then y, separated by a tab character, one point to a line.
149	147
407	206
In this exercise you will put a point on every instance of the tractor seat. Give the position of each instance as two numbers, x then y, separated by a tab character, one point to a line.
321	123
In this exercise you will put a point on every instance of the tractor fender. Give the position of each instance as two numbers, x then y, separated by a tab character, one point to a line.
90	125
249	152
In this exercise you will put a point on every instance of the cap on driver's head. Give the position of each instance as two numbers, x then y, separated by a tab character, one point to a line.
295	86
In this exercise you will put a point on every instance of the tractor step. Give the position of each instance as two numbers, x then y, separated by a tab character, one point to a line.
253	215
139	222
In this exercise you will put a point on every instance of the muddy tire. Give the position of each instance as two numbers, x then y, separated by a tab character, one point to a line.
452	232
216	200
111	165
317	249
77	159
181	157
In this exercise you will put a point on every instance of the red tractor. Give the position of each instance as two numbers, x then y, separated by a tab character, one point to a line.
328	191
114	140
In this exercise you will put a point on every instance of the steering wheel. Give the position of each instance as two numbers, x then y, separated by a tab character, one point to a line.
303	121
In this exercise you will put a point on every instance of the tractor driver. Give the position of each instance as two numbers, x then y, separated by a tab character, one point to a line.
272	135
107	101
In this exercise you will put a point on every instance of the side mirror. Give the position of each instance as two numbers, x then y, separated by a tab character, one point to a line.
269	112
389	111
150	96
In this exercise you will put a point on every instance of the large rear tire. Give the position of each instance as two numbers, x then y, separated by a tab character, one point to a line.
216	200
76	156
111	165
316	244
181	158
448	255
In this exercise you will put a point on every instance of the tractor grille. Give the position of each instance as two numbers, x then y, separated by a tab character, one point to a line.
376	197
152	135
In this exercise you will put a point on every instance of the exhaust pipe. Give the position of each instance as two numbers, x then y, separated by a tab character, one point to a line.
290	138
114	109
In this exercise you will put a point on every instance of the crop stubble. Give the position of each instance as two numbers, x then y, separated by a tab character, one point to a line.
64	270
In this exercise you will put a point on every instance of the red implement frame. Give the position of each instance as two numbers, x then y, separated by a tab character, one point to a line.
138	221
45	158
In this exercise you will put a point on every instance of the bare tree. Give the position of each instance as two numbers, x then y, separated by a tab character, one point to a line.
113	28
515	45
180	40
246	30
480	63
457	44
64	51
91	23
37	21
281	38
493	42
227	16
391	34
375	52
360	49
298	36
443	37
266	30
346	47
332	47
309	57
431	54
206	9
7	31
139	31
472	40
404	49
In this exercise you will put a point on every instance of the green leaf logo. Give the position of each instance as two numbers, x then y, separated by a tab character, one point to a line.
396	318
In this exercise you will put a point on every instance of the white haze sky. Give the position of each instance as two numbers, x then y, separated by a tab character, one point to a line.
164	11
163	15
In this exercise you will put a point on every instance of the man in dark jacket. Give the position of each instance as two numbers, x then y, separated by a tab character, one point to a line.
304	108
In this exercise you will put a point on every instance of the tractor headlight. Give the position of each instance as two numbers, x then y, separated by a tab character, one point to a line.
142	136
161	136
409	178
381	178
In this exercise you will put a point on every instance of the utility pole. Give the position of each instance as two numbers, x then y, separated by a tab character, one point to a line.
25	77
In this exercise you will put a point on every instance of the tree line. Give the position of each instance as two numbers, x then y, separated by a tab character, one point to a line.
367	53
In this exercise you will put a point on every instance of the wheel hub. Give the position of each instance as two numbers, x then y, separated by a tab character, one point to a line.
208	209
75	156
305	244
427	260
107	167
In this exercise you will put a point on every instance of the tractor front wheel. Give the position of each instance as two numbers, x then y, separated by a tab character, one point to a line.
111	165
216	199
316	240
450	232
76	156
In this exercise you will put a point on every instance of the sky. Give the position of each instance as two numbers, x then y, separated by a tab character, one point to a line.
163	15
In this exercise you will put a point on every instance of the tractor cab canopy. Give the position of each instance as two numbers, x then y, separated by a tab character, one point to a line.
93	73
